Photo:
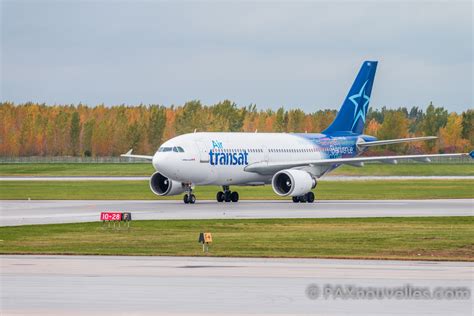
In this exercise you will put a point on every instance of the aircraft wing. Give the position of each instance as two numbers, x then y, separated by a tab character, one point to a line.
270	167
394	141
129	155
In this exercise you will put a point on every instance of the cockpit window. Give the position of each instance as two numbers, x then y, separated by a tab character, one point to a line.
176	149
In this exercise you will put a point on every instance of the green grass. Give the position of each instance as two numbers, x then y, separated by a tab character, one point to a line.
326	190
145	169
426	238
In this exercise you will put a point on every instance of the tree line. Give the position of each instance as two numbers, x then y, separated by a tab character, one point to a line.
33	129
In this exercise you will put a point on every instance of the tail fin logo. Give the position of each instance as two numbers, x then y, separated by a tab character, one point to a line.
360	108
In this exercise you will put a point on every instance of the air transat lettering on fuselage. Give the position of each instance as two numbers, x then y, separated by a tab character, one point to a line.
341	150
338	147
219	156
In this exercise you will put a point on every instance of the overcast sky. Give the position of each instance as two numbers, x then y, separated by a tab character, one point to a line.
297	55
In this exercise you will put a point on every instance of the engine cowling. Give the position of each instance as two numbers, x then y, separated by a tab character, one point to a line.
291	182
162	186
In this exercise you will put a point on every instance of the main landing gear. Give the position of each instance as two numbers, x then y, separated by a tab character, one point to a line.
227	195
189	197
308	197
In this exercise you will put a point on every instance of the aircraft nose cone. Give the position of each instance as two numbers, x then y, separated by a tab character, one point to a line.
161	163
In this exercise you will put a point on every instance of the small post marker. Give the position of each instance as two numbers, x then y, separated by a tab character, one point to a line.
205	239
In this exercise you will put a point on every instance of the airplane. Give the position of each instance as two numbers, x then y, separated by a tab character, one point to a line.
291	162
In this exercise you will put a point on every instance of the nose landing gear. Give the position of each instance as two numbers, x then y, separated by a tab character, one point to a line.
189	197
227	195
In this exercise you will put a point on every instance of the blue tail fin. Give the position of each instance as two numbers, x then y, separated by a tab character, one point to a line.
351	116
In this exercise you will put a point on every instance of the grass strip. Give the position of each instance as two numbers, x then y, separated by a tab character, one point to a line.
326	190
146	169
423	238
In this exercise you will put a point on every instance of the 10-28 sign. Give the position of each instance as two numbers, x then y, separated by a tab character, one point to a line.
110	216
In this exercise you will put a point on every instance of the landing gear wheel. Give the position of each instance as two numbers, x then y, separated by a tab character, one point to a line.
295	199
310	197
220	196
227	196
189	197
234	196
302	198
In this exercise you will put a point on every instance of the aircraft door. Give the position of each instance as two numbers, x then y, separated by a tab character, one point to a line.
203	152
208	173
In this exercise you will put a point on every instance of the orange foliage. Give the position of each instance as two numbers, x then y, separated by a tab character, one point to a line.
37	129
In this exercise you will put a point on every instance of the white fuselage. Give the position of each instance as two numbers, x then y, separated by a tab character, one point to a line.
221	158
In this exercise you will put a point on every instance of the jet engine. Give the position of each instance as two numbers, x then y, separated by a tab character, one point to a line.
292	182
161	185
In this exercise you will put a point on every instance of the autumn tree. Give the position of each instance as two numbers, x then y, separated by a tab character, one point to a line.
434	119
75	132
468	126
451	134
191	118
281	121
156	125
228	113
87	137
416	118
295	121
394	125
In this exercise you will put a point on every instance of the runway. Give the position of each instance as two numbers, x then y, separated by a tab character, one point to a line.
77	285
13	212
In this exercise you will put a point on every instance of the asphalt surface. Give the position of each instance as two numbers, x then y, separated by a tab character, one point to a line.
326	178
72	211
92	285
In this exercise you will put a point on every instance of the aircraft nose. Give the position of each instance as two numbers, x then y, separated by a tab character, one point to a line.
161	162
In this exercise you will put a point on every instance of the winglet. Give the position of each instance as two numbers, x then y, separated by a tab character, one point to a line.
128	152
472	154
129	155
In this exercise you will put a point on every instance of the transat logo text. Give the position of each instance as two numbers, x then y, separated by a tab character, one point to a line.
226	158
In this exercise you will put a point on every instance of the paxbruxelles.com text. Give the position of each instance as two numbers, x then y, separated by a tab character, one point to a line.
407	291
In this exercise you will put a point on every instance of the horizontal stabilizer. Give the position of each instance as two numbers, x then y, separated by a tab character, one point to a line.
394	141
129	155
